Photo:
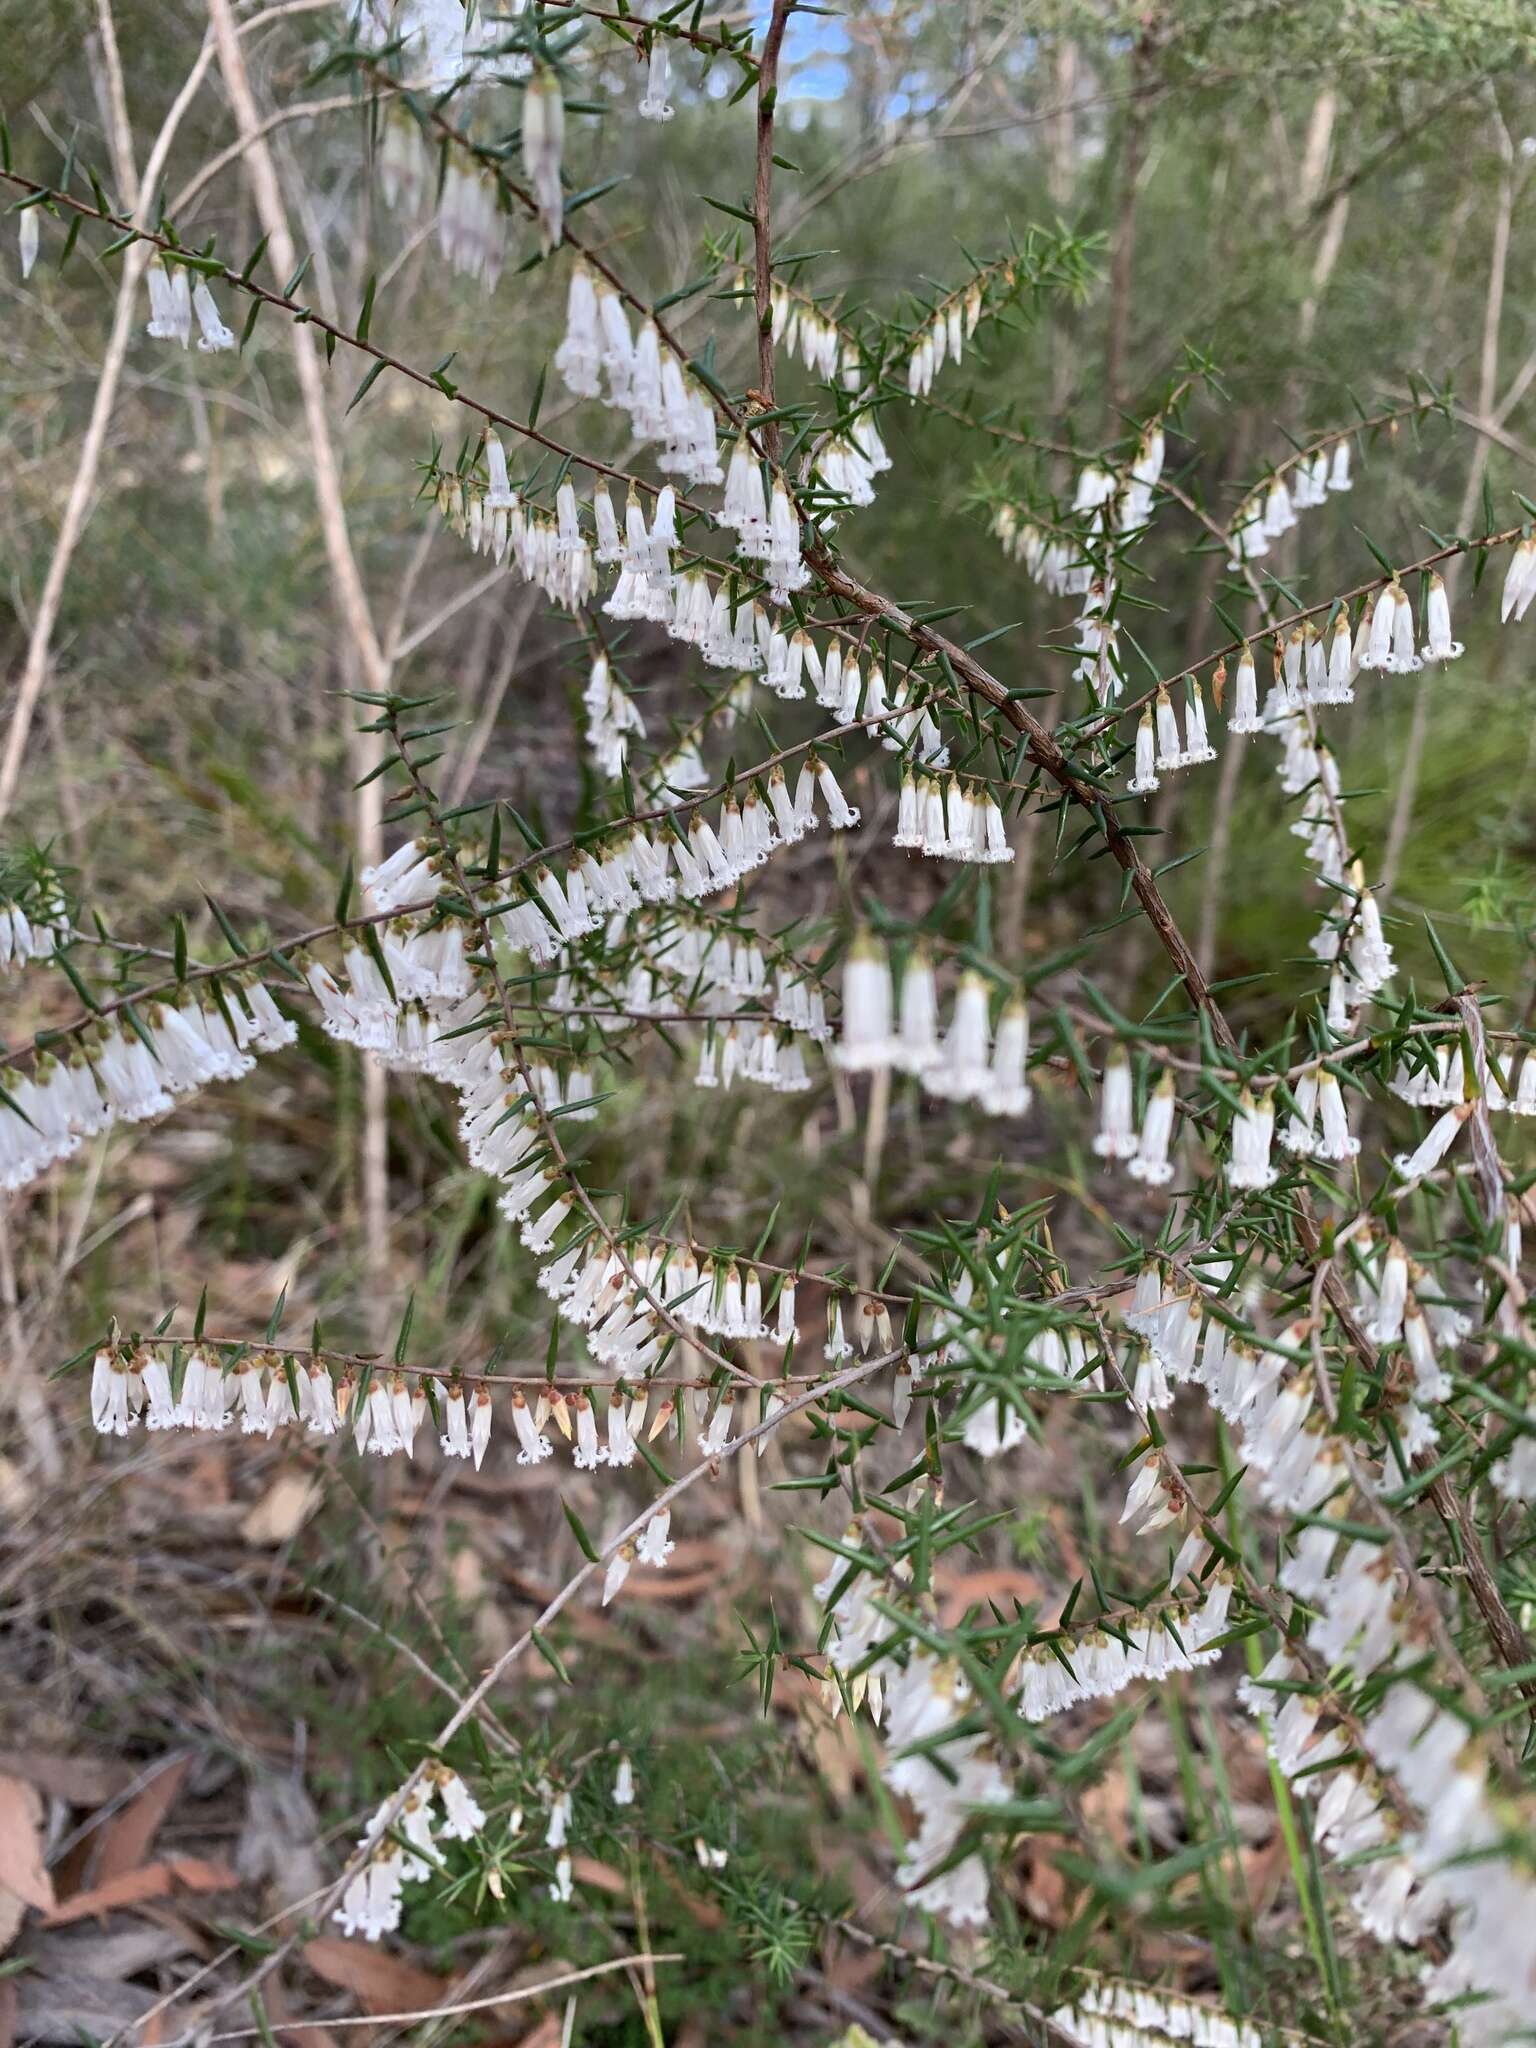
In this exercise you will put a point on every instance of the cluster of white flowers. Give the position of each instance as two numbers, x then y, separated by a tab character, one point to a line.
709	969
1145	1152
1115	2015
1243	1378
847	463
471	221
885	1028
601	357
259	1389
173	300
1098	643
372	1903
611	717
654	1548
944	1782
1441	1082
116	1075
38	937
1109	506
951	819
943	334
749	1051
801	328
1158	745
948	1780
1318	1096
1100	1661
1454	1864
1271	510
712	967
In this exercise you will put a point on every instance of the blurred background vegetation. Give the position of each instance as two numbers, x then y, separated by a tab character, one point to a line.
1328	204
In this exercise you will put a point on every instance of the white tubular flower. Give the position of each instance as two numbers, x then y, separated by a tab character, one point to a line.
214	338
579	357
109	1394
463	1816
1519	582
841	816
1404	658
543	147
170	303
370	1905
784	568
917	1041
589	1453
1278	515
1144	780
480	1425
618	1571
27	235
535	1445
455	1437
1252	1131
837	1347
1151	1162
993	1428
1438	644
785	1331
624	1783
654	1547
1370	957
1430	1380
656	106
160	1411
1337	1141
321	1416
280	1409
1179	1330
1299	1134
1008	1091
962	1071
1245	703
867	1042
1197	742
1381	613
1170	751
621	1444
1116	1138
1338	474
1147	1302
1442	1135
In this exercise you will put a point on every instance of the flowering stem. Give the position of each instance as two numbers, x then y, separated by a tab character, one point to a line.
762	217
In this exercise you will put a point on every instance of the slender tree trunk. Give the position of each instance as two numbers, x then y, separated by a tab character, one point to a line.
1487	397
1133	149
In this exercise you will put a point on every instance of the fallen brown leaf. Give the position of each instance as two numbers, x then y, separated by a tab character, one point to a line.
382	1982
1044	1893
123	1842
967	1589
310	2035
149	1881
203	1873
602	1876
81	1780
668	1586
281	1512
21	1844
